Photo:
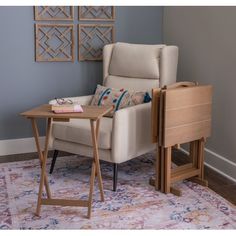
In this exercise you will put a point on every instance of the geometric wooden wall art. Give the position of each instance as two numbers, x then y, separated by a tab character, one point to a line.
97	13
54	13
54	42
92	38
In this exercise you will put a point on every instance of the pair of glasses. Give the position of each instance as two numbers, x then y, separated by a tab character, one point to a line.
62	101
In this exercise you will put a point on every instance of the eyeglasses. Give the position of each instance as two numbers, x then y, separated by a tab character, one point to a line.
63	101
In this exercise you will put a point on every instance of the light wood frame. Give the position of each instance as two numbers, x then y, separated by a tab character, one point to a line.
81	42
188	112
84	18
44	112
39	17
39	57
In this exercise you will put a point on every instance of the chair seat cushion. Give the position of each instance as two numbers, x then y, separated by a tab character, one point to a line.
79	131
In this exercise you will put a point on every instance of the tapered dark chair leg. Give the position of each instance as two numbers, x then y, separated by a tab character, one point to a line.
55	154
115	175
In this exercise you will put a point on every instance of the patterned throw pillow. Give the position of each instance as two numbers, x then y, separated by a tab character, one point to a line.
119	98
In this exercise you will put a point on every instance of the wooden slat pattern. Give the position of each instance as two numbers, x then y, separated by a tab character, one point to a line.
187	114
187	133
184	97
182	116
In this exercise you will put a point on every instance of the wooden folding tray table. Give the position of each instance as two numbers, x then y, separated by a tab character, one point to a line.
94	114
181	113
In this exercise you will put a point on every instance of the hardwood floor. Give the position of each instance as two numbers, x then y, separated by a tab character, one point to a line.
218	183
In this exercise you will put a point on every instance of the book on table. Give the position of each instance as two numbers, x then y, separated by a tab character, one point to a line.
66	108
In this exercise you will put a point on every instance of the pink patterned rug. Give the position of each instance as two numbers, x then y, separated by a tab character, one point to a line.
135	205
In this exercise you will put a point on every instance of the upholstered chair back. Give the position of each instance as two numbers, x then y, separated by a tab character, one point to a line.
139	67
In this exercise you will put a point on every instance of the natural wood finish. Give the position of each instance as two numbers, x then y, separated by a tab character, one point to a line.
181	113
48	13
182	167
176	191
184	174
182	84
167	156
92	178
94	130
162	156
40	154
93	114
65	202
86	50
90	112
45	52
90	11
158	169
155	113
184	134
181	116
61	120
43	168
185	97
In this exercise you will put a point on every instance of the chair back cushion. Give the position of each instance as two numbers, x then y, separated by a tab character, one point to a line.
135	84
135	60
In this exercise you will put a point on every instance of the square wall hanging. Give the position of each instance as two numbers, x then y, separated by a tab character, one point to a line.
92	39
49	13
54	42
97	13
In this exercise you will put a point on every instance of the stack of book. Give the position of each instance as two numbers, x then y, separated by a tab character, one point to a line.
66	108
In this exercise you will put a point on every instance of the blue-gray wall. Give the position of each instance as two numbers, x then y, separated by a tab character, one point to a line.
25	83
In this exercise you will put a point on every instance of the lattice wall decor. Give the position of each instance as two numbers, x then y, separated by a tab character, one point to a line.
92	39
97	13
49	13
54	42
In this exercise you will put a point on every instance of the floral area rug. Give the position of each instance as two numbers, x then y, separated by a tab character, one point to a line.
135	205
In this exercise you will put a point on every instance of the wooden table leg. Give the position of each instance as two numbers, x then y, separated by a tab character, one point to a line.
40	153
167	157
162	166
95	130
158	169
96	164
90	201
43	159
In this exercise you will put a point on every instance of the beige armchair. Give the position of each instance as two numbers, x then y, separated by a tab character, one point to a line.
128	134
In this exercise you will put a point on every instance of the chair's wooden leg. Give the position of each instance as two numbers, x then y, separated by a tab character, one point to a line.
115	174
40	153
55	154
90	201
167	169
43	169
95	130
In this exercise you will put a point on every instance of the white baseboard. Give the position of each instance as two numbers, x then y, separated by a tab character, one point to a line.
219	164
18	146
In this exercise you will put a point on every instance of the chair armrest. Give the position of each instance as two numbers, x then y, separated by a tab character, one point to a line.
82	100
131	134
